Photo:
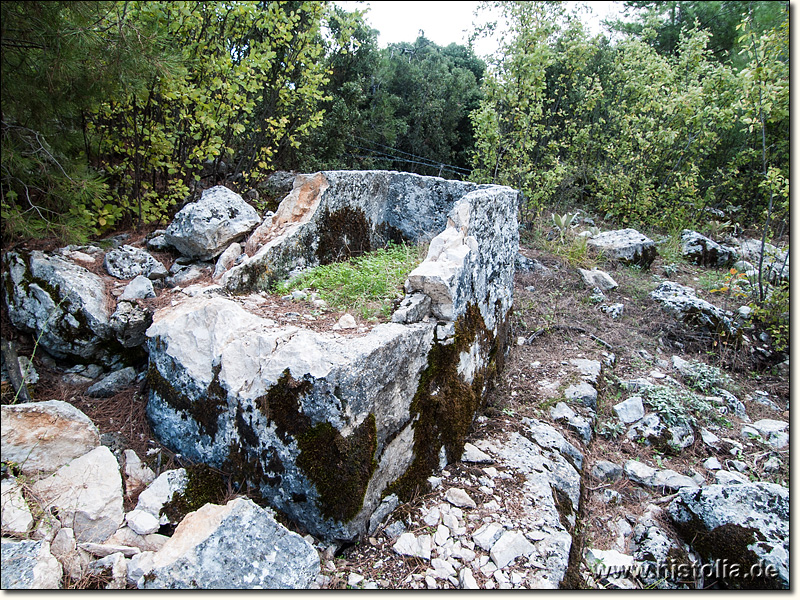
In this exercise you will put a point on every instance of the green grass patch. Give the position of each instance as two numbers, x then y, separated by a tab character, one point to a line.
368	284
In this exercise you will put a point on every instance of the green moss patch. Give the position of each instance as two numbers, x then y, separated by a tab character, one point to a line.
342	234
727	545
281	405
444	404
205	485
339	467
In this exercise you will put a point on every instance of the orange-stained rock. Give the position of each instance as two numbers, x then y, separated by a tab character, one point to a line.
41	437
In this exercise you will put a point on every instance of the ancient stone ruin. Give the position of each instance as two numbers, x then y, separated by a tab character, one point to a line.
329	427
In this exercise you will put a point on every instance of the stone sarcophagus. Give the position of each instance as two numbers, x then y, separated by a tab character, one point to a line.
330	427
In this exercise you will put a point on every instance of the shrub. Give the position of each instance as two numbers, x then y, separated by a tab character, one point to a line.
676	406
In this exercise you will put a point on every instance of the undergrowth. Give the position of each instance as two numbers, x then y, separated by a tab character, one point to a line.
677	407
369	283
705	378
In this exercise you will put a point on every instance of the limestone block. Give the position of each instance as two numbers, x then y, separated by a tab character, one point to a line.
128	262
739	523
44	436
205	552
706	252
626	245
204	229
29	565
62	304
87	493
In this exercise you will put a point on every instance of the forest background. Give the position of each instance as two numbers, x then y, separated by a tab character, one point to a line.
115	113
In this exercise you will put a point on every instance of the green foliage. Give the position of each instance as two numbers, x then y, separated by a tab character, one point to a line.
677	407
563	223
405	107
734	284
246	89
113	111
720	18
369	283
705	378
611	429
59	61
773	314
642	136
153	96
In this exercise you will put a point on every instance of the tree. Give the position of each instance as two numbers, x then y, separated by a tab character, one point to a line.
246	91
405	107
719	18
351	61
630	131
59	61
765	110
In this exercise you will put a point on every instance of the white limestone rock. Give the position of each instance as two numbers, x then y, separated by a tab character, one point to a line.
205	552
758	511
62	304
625	245
204	229
409	544
16	516
472	454
508	547
487	535
640	473
225	357
466	580
776	261
774	432
113	383
227	259
608	561
606	470
599	279
41	437
87	493
459	497
137	474
682	303
29	565
142	522
128	262
703	251
630	410
139	288
589	369
161	491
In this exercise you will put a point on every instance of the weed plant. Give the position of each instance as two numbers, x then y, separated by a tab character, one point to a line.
369	283
705	378
677	407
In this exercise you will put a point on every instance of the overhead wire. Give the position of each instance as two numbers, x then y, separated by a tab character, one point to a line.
412	158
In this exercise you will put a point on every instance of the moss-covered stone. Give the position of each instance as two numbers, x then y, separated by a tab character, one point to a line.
205	485
564	507
281	405
340	467
342	234
727	546
74	338
205	412
445	405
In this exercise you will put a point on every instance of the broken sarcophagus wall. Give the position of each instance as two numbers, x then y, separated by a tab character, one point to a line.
327	426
